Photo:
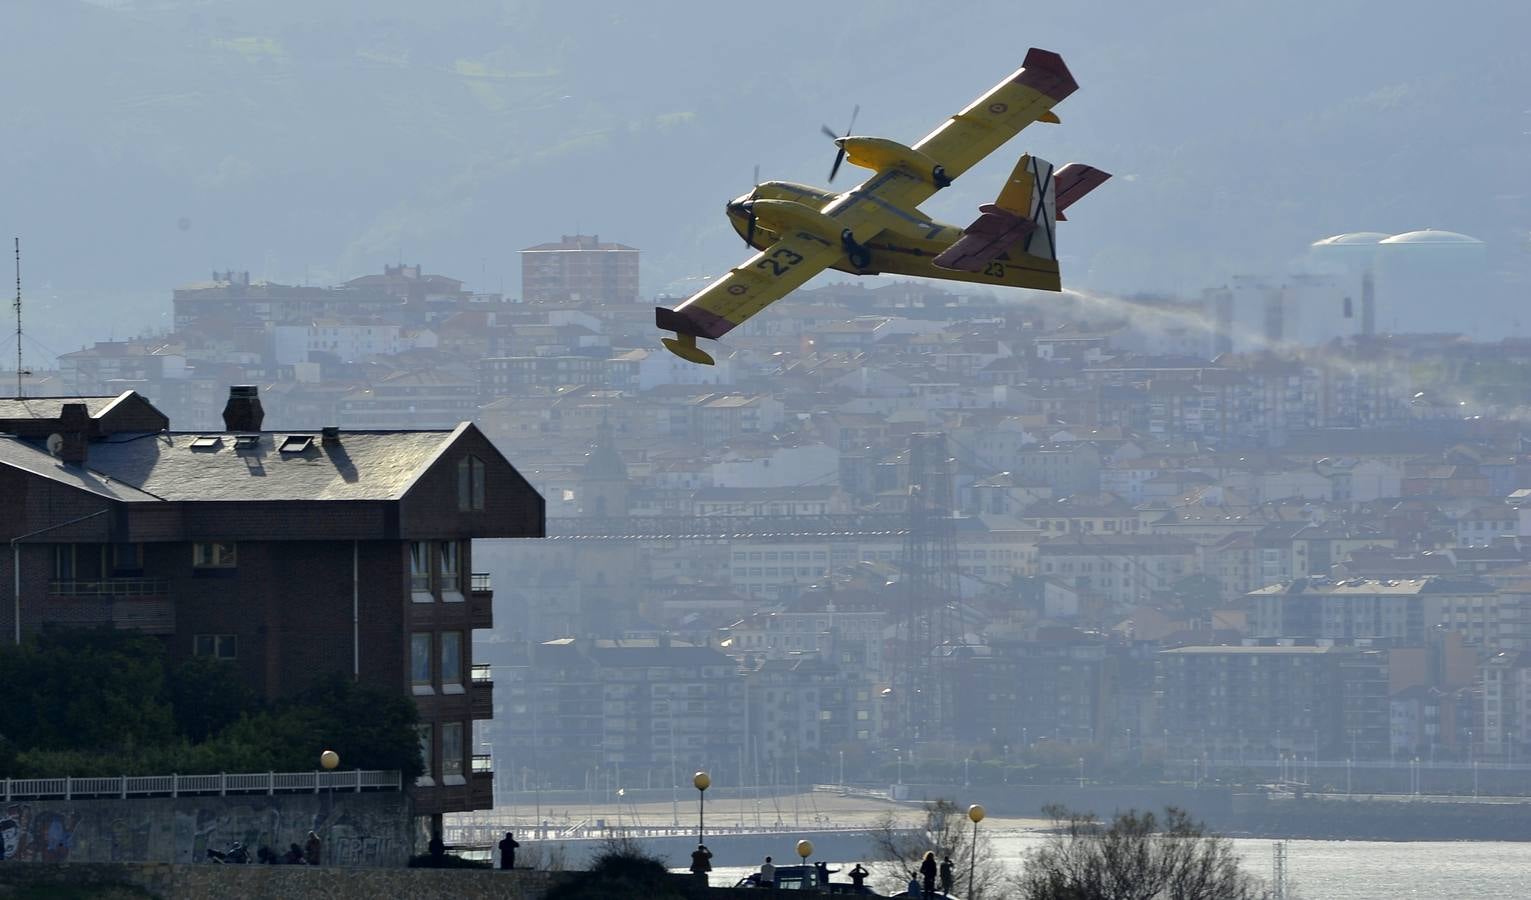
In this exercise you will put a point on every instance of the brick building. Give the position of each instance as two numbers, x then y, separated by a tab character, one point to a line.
579	269
1253	702
290	554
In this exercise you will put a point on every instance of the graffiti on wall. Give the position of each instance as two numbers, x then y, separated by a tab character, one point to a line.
26	834
359	830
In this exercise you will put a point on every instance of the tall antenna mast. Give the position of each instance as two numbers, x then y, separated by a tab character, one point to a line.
19	370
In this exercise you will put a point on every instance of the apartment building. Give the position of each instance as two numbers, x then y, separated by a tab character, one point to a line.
1226	703
290	554
579	268
581	704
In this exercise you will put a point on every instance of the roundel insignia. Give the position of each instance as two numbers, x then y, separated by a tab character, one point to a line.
737	289
997	108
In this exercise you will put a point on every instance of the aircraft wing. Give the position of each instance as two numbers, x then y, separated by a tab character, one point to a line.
751	286
999	115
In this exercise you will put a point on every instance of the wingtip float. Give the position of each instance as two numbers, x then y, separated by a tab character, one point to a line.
877	227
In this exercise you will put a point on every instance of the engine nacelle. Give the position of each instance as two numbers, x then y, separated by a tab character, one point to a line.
791	190
881	154
782	216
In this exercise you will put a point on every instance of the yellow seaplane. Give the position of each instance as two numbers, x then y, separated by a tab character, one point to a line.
877	226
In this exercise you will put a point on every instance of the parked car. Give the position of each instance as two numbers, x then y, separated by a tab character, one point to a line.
805	878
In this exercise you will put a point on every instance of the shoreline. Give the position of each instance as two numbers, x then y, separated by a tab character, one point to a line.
1244	816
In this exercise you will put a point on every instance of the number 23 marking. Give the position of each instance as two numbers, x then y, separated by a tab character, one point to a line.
995	270
777	268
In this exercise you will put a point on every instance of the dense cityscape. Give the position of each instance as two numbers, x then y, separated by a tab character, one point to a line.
513	448
899	526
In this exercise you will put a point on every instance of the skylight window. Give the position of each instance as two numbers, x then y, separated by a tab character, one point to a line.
246	441
206	442
296	443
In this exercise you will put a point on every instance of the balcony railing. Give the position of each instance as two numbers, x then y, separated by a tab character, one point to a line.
480	583
483	764
111	587
482	674
68	788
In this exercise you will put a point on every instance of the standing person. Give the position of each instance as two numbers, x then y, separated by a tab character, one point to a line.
946	875
508	851
913	889
311	848
767	874
928	873
858	875
701	864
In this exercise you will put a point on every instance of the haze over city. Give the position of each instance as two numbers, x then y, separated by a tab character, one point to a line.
344	470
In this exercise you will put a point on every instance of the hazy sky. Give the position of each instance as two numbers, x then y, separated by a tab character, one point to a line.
151	142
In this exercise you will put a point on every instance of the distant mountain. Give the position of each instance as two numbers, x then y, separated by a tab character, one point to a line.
148	143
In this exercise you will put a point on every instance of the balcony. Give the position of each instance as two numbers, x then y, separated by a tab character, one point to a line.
140	604
480	602
111	587
482	693
481	783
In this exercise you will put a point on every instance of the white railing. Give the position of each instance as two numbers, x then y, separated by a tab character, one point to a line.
67	788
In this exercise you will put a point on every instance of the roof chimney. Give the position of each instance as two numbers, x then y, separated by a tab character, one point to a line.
74	429
331	435
243	411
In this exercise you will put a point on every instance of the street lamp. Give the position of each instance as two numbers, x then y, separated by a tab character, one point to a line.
702	781
329	760
975	812
805	850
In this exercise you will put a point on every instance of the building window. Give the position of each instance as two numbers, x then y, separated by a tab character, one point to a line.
63	562
212	555
449	565
451	749
127	559
451	657
222	646
470	484
420	566
420	661
424	731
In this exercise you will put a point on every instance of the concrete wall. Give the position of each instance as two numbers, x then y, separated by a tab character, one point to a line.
209	882
368	829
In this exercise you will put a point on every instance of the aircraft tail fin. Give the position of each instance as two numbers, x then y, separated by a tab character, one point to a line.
1022	216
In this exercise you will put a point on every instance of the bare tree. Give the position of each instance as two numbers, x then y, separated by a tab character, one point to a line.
1136	857
946	831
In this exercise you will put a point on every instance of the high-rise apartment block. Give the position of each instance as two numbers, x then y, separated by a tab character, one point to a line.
579	269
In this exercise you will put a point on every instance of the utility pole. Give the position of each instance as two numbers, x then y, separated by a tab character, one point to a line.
19	370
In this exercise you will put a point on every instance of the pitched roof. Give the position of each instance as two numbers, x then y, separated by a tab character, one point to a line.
29	457
51	407
365	465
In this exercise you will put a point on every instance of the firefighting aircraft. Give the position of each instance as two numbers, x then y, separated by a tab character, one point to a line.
877	226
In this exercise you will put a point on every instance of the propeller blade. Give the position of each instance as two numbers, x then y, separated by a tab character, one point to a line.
854	113
835	169
829	132
756	182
